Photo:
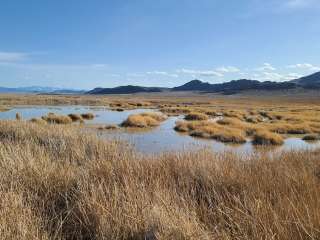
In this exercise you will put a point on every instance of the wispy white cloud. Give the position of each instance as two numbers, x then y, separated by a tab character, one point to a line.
274	76
304	66
100	65
134	75
163	73
266	67
228	69
204	73
300	3
13	56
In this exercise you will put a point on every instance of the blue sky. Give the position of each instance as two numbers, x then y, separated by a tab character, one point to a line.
85	44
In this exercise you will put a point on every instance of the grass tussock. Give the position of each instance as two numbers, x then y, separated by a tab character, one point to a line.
287	128
144	120
75	117
87	116
196	116
311	137
57	119
267	138
207	129
57	183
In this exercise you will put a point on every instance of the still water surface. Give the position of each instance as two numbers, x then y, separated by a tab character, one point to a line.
159	139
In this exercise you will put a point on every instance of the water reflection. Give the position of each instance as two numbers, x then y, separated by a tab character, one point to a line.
159	139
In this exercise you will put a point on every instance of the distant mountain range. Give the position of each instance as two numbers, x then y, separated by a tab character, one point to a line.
311	81
126	90
308	82
39	89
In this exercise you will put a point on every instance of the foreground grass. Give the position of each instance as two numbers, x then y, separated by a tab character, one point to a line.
57	183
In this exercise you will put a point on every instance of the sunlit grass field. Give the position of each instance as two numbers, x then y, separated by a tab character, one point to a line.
59	182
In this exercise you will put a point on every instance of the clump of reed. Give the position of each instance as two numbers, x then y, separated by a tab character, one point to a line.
264	137
207	129
87	116
57	119
57	183
75	117
143	120
311	137
18	116
196	116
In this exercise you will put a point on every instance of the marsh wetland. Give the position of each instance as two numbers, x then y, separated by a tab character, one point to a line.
177	127
154	167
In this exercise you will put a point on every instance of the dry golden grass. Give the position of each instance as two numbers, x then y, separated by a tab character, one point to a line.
287	128
38	120
4	109
196	116
267	138
57	119
144	120
57	183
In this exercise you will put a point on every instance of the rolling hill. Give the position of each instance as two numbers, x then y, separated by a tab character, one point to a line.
125	90
311	81
308	82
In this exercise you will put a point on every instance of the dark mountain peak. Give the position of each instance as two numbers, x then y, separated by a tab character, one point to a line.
194	85
310	81
234	86
128	89
195	81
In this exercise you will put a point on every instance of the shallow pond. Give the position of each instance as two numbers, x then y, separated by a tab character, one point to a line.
159	139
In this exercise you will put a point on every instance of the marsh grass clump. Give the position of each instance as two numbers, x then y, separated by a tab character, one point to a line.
267	138
311	137
18	116
175	111
75	117
196	116
143	120
57	183
57	119
87	116
287	128
211	130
